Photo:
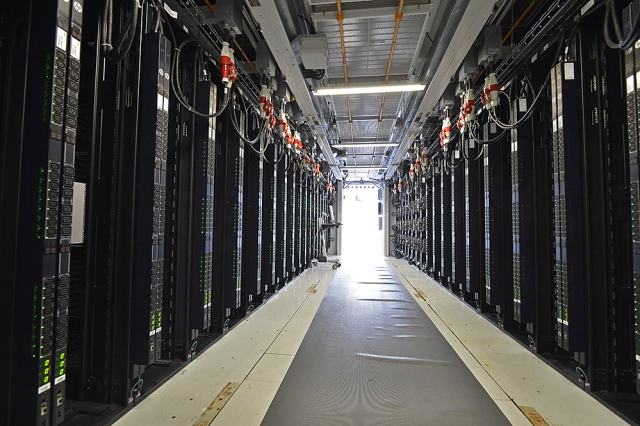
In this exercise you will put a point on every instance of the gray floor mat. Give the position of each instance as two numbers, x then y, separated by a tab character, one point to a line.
372	357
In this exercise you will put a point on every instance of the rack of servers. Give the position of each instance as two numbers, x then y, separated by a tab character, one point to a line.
155	190
142	174
521	196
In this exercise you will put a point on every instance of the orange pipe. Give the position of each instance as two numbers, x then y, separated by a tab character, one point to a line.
526	11
244	55
340	18
398	17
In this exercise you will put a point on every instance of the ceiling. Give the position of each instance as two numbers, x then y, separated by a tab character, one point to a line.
368	30
433	38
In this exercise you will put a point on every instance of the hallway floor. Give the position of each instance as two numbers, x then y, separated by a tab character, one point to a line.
235	381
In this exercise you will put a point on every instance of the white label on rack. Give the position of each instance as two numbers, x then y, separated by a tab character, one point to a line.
165	104
160	99
560	123
61	39
171	12
555	125
159	329
44	388
75	48
568	71
152	332
60	379
630	84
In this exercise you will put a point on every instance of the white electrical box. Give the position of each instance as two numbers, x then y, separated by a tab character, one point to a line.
312	49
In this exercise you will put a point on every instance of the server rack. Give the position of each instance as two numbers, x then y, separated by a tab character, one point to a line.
632	94
253	224
474	289
429	216
571	293
437	226
269	205
291	222
228	227
445	228
298	251
496	233
281	224
457	230
43	231
186	187
522	219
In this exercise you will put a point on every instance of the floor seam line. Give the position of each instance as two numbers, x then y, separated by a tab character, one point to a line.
461	342
279	333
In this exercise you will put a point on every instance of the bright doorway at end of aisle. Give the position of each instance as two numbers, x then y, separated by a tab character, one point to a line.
361	222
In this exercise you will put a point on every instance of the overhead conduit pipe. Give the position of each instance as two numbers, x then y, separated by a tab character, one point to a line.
441	41
340	18
386	77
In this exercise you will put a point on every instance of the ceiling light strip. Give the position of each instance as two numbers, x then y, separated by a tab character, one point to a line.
363	145
360	90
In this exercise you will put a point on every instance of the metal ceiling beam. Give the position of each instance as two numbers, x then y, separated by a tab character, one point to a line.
267	16
467	31
374	12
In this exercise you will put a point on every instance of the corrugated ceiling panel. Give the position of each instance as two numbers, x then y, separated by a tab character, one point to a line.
365	129
367	45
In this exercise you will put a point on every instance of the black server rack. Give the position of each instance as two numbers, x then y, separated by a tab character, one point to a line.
423	223
253	223
150	197
304	214
445	229
44	224
496	219
66	210
281	224
313	217
185	186
298	250
457	230
608	258
415	226
269	218
203	150
571	292
474	284
228	226
523	220
291	222
428	190
437	227
632	92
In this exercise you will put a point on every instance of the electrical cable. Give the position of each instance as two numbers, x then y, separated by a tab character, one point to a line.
177	90
234	119
465	152
623	43
124	40
486	141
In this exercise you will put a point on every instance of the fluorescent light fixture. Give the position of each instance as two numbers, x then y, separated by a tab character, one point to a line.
378	88
362	145
357	168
